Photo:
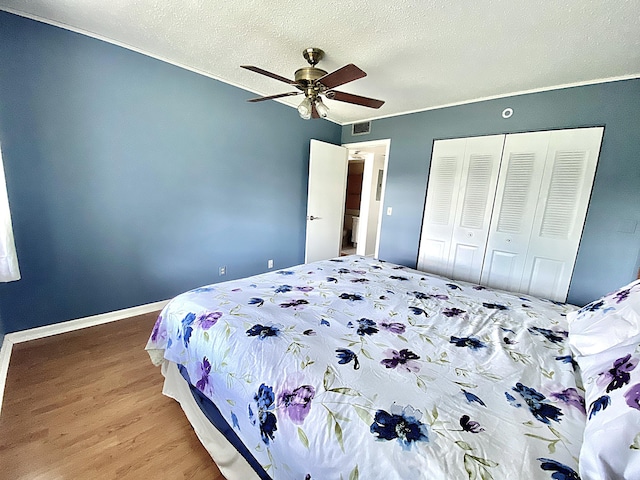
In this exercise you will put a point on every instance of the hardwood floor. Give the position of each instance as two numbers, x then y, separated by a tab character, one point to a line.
88	405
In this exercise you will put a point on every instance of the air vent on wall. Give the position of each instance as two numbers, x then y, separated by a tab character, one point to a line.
361	128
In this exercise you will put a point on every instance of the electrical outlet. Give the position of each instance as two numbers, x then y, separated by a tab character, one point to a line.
270	263
222	271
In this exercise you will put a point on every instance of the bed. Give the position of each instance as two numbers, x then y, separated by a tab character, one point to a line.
355	368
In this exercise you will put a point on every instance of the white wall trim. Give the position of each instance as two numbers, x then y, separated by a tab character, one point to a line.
48	330
5	355
506	95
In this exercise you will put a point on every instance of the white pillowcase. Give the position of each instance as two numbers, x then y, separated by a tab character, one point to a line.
605	337
610	448
613	320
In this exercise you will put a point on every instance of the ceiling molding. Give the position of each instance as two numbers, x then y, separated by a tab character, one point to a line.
506	95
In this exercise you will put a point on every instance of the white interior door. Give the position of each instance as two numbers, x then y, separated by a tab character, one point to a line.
509	218
462	183
541	204
560	214
515	205
440	207
325	200
475	203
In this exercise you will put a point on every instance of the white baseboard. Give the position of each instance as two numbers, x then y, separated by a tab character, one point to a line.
48	330
71	325
5	355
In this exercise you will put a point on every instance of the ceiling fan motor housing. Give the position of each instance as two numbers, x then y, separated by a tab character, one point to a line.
306	80
307	76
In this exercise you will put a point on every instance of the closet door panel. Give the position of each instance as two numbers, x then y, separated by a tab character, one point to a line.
475	204
500	268
546	278
514	209
440	207
560	214
465	261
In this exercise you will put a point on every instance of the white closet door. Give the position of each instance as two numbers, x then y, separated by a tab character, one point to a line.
516	199
440	208
560	214
457	216
475	204
509	218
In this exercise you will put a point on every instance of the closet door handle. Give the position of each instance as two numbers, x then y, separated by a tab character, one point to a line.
314	218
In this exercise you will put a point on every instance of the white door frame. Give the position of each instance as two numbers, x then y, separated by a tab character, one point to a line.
376	143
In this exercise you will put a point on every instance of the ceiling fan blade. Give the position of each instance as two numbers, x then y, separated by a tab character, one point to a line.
356	99
314	111
271	97
343	75
268	74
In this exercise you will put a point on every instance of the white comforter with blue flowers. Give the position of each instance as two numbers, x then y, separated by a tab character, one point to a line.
356	368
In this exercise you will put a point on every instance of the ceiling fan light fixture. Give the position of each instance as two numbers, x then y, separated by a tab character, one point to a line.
304	109
321	108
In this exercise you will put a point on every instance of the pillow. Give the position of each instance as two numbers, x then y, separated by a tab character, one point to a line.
611	442
613	320
605	337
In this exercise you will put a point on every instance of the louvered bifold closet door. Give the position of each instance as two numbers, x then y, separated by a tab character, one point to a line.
509	218
475	204
460	194
440	207
560	214
515	206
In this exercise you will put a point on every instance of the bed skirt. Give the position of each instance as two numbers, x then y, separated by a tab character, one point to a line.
231	463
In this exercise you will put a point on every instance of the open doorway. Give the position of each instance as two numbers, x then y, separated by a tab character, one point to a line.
367	174
353	198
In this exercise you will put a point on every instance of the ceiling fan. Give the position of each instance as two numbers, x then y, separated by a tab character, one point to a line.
315	82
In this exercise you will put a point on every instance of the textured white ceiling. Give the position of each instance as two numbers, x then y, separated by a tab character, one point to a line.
418	54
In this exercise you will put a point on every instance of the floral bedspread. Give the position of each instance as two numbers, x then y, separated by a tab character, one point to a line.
356	368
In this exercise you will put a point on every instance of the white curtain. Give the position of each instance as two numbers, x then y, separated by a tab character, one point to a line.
8	259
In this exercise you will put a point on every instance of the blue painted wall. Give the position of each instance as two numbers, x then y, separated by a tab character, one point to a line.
609	251
131	180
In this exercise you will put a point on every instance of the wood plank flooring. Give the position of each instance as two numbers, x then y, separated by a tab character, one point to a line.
88	405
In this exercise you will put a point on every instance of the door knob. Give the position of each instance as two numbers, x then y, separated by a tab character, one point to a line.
314	218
